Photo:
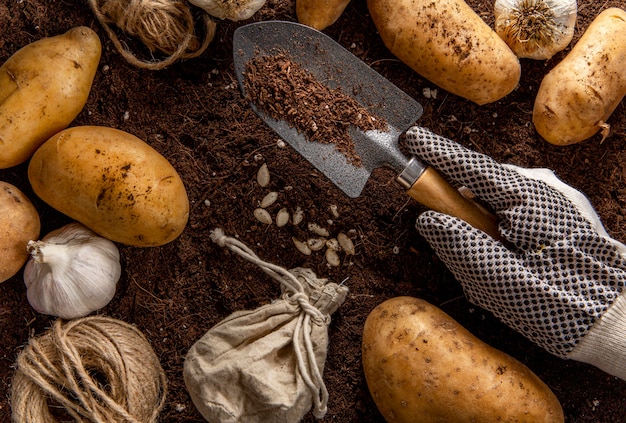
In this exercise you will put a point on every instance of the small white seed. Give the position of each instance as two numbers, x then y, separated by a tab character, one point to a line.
282	217
263	175
263	216
269	199
332	257
317	229
334	210
316	244
298	216
333	244
301	246
346	243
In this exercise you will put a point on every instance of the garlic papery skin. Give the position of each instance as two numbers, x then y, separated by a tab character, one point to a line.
72	272
234	10
535	29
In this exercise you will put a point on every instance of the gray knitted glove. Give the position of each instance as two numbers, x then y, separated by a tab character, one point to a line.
560	276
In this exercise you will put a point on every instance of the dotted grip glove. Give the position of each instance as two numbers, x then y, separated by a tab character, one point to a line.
557	278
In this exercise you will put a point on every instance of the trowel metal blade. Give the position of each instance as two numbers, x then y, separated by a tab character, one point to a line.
337	68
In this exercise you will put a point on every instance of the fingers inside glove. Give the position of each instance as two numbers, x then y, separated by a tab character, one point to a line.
480	173
457	243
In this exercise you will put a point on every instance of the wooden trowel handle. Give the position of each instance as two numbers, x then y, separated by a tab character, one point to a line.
433	191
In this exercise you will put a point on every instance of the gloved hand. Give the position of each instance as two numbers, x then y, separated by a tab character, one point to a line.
558	278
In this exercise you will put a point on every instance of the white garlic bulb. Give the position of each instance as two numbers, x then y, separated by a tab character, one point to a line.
535	29
71	272
234	10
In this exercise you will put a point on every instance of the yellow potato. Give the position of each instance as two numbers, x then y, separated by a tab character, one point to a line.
580	93
43	87
113	183
422	366
447	43
19	223
320	14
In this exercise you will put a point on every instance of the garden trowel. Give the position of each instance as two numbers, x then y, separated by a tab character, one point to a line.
338	69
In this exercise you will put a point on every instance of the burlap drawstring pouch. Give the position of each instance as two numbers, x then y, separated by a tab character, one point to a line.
266	364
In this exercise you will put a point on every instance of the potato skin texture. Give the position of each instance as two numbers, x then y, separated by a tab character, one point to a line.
581	92
43	87
421	365
447	43
320	14
19	223
112	182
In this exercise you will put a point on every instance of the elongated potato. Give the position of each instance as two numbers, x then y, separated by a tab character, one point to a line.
43	87
113	183
580	93
447	43
320	14
19	223
422	366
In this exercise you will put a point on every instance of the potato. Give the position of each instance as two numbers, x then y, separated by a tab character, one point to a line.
19	223
320	14
580	93
447	43
113	183
43	87
421	365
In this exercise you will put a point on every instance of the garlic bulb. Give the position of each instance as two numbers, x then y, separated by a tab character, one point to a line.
234	10
535	29
71	272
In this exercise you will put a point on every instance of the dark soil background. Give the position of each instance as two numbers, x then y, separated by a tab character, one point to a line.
194	114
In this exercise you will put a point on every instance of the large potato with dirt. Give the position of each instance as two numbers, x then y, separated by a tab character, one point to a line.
447	43
112	182
43	87
422	366
19	223
580	93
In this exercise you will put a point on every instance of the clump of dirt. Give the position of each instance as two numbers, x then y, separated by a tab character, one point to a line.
286	91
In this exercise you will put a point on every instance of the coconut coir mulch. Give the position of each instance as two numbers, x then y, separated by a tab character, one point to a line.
193	113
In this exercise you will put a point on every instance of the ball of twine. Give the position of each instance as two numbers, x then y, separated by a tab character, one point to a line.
94	369
162	25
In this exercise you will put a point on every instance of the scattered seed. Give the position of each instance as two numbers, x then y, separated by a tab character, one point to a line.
269	199
317	229
282	217
263	175
334	210
263	216
396	249
316	244
346	243
332	257
298	216
301	246
333	244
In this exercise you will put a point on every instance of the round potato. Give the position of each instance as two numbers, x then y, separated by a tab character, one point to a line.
447	43
421	365
580	93
320	14
19	223
43	87
112	182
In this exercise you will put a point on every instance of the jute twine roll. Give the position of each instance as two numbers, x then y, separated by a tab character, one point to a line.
94	369
162	25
